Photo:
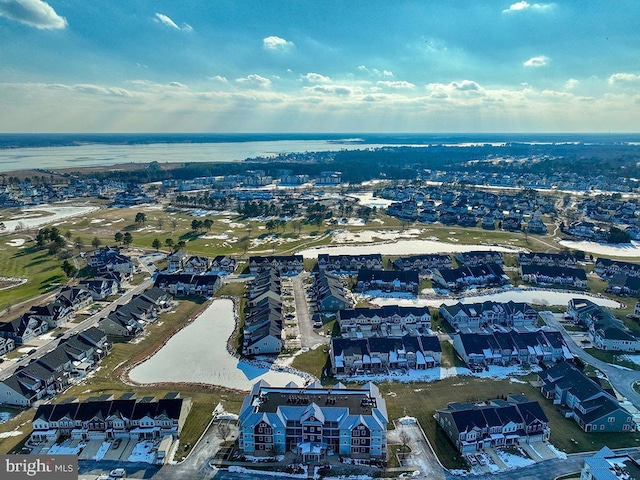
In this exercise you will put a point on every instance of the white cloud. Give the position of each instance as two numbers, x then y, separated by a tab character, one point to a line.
623	78
167	22
255	80
523	5
219	78
376	72
34	13
335	90
571	84
177	85
316	78
395	84
536	62
276	43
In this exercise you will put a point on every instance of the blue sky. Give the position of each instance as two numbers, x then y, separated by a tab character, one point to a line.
319	66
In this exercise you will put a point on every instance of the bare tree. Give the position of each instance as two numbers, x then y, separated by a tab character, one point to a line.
404	438
223	429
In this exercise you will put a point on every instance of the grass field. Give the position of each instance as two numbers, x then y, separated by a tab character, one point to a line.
42	271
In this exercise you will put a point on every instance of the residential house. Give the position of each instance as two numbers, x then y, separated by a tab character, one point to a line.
536	226
176	261
561	276
223	264
109	259
606	464
584	400
472	427
197	265
124	418
479	257
621	284
349	264
262	331
182	284
329	292
424	264
607	268
351	356
6	345
386	321
388	281
605	330
488	275
548	259
55	314
23	329
100	288
314	421
75	297
480	315
478	350
284	264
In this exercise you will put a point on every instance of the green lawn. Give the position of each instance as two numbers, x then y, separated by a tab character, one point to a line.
314	361
615	358
42	270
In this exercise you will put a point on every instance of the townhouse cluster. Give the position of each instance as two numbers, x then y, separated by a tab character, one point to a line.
130	319
42	318
606	331
109	419
594	408
50	374
194	274
500	422
263	323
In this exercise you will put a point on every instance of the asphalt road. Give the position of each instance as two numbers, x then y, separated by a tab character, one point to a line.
309	338
620	378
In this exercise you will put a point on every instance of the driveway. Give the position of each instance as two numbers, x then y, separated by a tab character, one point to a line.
422	456
620	378
308	337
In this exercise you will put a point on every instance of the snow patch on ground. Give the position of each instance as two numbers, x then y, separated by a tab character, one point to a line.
104	448
66	448
16	242
557	452
13	433
514	461
142	453
618	250
631	358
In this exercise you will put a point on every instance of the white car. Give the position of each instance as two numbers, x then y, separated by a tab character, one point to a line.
117	473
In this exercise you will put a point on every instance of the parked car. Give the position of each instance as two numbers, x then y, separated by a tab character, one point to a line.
117	473
116	443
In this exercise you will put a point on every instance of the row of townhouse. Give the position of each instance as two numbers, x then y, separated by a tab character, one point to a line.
621	284
472	427
262	332
109	259
607	268
314	421
183	284
584	400
505	348
561	276
130	319
549	259
605	330
329	292
42	318
96	419
481	315
424	264
388	281
181	261
485	275
50	374
283	264
381	355
349	264
386	321
475	258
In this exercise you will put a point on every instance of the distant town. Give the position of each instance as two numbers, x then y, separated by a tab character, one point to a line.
385	313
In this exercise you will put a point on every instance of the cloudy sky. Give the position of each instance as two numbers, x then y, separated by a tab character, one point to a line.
319	66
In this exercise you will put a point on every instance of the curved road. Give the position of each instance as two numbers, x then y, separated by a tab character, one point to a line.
620	378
